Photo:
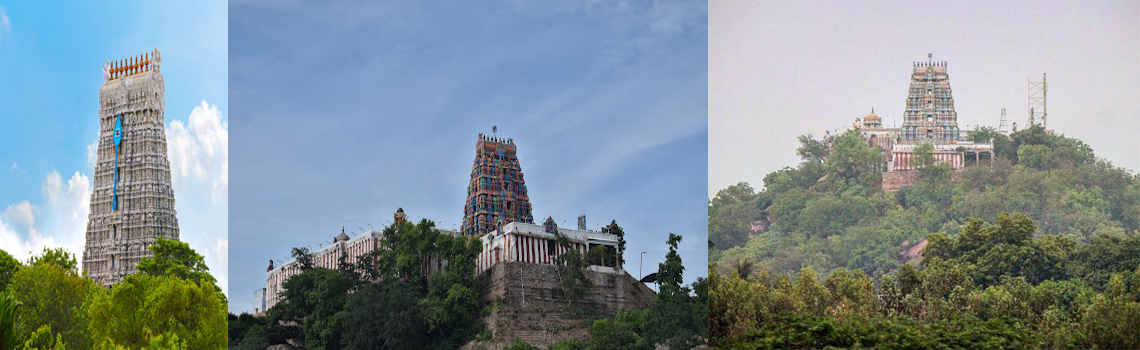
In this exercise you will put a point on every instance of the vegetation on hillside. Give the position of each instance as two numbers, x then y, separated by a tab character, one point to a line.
828	212
823	257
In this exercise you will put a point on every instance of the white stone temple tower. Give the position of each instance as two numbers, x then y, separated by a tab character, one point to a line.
132	203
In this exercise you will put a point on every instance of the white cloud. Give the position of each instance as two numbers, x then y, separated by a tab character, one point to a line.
61	223
65	215
11	241
22	213
199	150
218	260
199	169
93	154
5	24
15	169
51	186
14	243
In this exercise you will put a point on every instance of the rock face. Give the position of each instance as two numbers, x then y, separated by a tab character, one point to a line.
132	203
526	302
893	181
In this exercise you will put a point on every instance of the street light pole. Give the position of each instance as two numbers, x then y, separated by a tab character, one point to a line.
639	266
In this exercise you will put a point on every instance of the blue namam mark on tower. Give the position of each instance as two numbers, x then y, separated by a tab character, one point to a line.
118	141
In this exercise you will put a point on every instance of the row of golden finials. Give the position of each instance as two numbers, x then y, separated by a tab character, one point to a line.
130	66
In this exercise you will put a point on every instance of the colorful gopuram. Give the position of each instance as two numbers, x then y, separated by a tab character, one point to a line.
496	195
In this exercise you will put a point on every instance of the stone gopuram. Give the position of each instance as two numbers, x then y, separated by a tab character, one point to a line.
929	118
132	203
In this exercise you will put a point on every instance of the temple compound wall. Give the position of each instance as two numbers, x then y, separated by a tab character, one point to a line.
896	180
527	301
329	256
536	244
132	202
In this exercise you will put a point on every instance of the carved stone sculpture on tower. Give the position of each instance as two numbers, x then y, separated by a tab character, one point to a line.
132	203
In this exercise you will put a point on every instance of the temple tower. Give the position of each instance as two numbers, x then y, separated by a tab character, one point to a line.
930	115
497	194
132	203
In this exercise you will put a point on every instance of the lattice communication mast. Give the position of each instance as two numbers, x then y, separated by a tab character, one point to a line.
1002	126
1037	106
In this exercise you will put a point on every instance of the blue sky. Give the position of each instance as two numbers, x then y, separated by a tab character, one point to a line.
348	112
51	59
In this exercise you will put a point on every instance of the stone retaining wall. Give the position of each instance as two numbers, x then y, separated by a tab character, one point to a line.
526	301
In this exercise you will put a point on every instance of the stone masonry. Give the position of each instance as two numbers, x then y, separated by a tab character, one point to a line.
132	203
526	301
893	181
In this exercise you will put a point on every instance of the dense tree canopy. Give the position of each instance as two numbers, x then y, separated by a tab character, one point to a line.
925	253
8	267
52	294
160	309
175	258
824	215
991	287
396	297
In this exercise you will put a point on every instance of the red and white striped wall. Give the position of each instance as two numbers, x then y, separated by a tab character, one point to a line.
907	161
522	248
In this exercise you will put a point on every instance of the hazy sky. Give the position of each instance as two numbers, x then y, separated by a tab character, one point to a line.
51	67
343	114
778	70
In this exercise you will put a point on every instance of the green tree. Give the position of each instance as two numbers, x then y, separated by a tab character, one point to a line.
451	300
1113	319
312	299
731	214
1006	248
11	330
175	258
744	268
812	150
575	283
53	294
1106	255
42	339
57	257
670	273
923	155
616	230
853	163
929	169
421	277
988	134
303	257
608	334
377	316
256	338
8	268
142	307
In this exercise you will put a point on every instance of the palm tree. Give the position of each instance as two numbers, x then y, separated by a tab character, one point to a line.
744	268
10	330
